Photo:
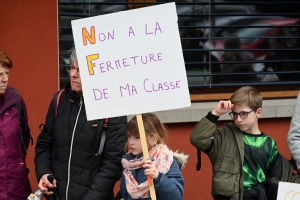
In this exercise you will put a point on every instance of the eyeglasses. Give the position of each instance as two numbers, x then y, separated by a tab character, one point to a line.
243	115
72	68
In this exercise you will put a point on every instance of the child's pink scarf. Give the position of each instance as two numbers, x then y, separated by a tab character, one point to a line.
163	159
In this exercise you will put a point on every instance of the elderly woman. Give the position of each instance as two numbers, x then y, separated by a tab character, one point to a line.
14	138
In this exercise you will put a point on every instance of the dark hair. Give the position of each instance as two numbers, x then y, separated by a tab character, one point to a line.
152	125
281	41
5	60
232	41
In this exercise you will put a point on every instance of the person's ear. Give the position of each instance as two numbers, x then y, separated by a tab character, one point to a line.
259	112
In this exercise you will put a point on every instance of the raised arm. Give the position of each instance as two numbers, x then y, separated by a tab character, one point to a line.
203	133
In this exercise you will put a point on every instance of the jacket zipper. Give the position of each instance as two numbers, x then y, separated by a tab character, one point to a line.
71	148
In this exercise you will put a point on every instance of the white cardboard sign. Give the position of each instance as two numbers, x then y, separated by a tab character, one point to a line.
288	191
131	62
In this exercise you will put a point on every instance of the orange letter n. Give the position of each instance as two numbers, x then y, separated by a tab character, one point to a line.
86	36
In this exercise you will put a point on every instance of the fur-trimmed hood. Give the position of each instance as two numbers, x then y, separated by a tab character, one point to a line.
181	158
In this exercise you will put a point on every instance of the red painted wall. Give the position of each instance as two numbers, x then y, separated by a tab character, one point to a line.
29	34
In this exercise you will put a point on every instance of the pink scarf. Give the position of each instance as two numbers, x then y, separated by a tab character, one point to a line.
163	159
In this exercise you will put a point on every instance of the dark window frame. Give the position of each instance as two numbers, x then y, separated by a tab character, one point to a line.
208	89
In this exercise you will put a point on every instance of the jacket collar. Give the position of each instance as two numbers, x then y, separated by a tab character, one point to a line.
71	94
9	98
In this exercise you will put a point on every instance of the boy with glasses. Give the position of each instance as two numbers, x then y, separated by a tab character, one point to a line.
241	155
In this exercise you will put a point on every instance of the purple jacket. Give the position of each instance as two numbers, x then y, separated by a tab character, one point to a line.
14	183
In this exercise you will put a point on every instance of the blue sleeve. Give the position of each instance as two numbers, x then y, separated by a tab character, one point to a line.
170	186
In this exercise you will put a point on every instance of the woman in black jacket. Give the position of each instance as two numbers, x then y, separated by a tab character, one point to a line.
69	147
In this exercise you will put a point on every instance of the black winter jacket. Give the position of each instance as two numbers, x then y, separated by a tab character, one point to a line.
68	150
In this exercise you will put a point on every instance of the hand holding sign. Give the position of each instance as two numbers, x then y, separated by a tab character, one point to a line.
145	153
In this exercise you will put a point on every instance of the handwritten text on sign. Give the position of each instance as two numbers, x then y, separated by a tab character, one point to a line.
131	62
288	191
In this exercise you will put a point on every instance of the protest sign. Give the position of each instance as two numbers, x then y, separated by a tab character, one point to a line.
131	62
288	191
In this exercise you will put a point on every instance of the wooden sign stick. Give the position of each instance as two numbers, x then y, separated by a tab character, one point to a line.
145	152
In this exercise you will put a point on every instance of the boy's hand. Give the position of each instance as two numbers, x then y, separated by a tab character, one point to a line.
222	108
